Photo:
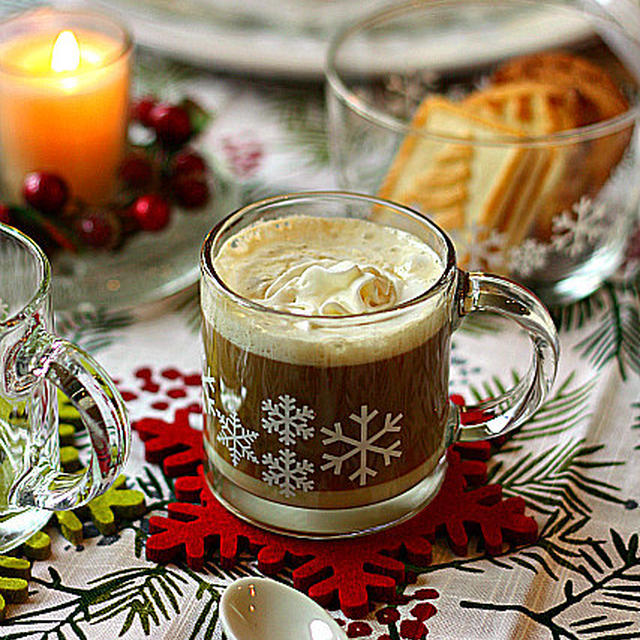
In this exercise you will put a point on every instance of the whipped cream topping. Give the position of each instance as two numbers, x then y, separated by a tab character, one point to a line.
329	288
326	266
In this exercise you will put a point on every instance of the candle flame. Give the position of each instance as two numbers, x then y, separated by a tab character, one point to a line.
66	53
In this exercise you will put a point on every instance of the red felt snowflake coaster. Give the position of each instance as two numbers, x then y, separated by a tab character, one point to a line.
351	571
176	444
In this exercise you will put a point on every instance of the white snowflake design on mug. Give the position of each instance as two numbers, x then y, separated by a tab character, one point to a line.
364	446
236	437
284	469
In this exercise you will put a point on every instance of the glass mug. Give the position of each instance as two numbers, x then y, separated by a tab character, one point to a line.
33	362
330	425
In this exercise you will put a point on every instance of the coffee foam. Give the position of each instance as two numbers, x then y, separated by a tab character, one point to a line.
317	266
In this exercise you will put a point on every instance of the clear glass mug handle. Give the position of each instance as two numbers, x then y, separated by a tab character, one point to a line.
101	408
486	292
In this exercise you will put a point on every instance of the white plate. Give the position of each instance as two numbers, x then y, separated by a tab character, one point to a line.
278	41
259	36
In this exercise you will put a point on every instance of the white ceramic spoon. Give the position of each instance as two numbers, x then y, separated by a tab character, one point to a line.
263	609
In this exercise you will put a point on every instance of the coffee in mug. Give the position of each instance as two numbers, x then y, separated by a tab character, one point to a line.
327	321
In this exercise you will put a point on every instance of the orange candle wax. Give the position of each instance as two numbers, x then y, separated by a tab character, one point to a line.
63	101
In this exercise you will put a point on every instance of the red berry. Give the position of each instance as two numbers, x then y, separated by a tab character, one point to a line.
141	109
98	230
151	212
171	123
136	171
4	214
45	191
188	163
191	193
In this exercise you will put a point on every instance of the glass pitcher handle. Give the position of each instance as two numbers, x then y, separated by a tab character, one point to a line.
486	292
101	409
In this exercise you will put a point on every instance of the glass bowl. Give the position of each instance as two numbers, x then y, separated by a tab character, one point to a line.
511	123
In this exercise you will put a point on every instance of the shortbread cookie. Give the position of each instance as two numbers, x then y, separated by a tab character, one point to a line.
598	99
602	99
538	110
532	107
459	184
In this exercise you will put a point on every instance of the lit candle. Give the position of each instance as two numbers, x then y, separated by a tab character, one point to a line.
64	86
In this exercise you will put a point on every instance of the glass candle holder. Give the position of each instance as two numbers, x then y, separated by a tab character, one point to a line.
64	96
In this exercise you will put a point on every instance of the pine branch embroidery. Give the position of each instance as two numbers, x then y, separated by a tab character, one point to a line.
562	411
615	307
148	594
617	335
551	477
612	594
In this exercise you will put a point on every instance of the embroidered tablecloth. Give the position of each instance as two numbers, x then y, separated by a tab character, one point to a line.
576	463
